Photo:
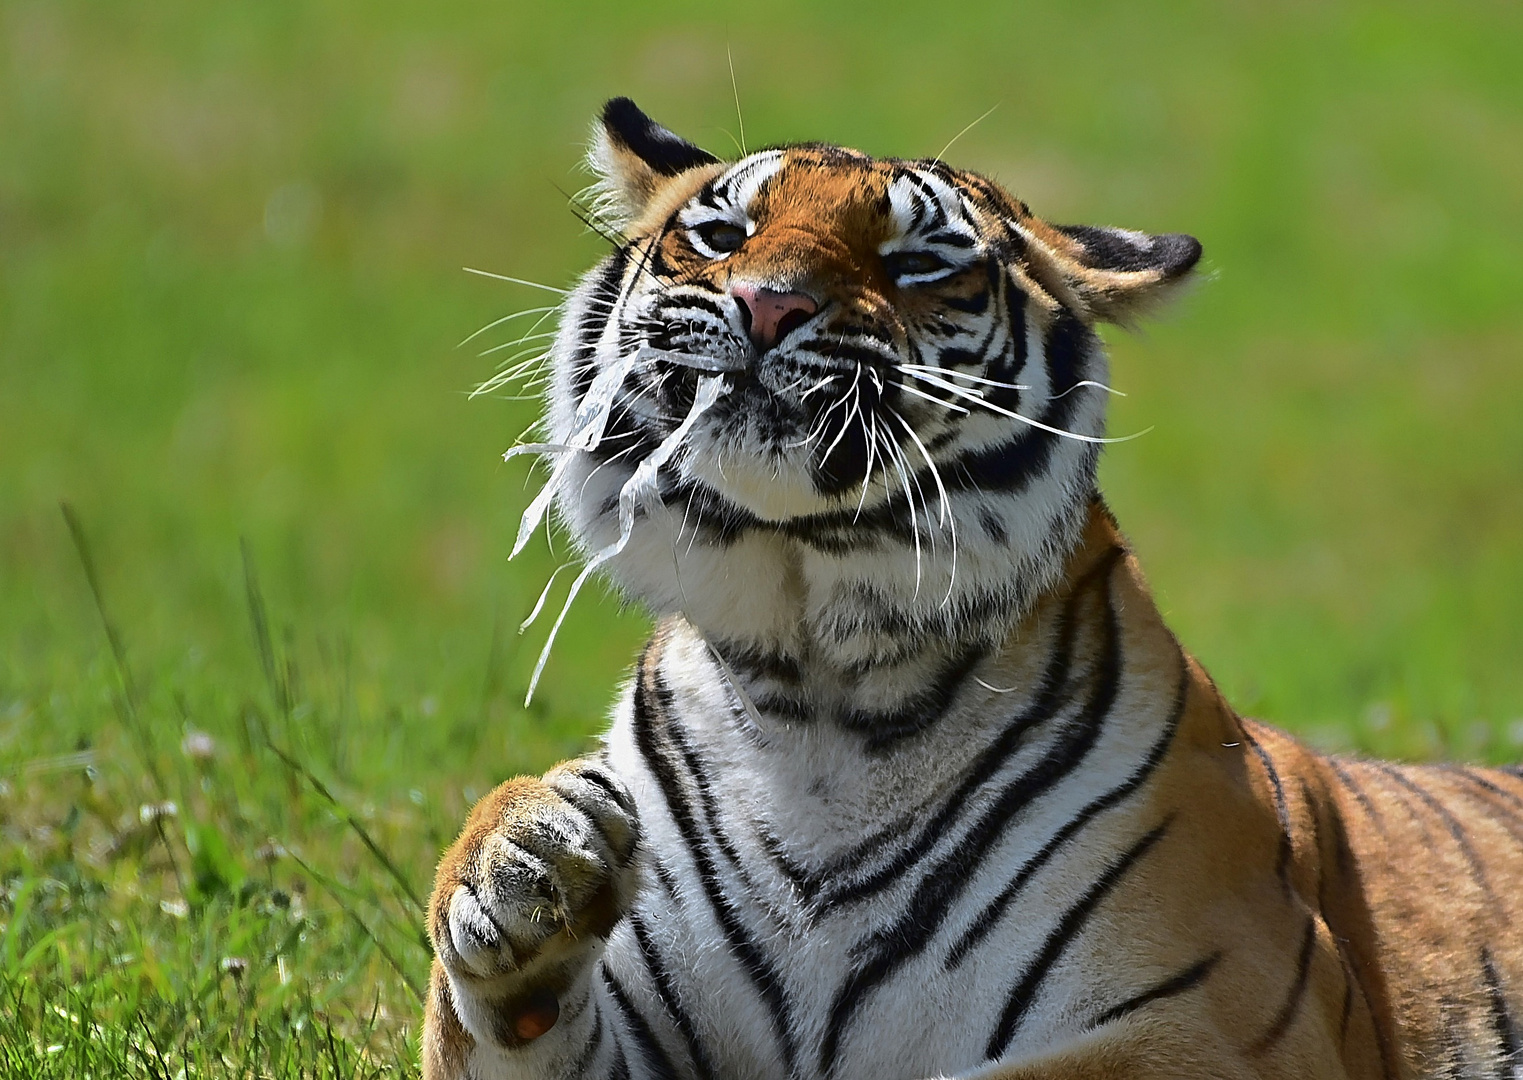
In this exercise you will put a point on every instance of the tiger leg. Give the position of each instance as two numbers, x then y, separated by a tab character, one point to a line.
522	904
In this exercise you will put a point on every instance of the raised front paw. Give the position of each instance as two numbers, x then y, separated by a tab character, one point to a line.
539	876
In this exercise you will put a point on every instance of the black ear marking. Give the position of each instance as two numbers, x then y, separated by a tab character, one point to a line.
1170	255
664	152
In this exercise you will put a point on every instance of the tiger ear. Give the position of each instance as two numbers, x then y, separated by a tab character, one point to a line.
633	156
1118	274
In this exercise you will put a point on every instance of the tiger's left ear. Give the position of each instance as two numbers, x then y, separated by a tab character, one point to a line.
634	156
1118	274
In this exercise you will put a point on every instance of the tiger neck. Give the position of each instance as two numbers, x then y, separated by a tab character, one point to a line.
857	673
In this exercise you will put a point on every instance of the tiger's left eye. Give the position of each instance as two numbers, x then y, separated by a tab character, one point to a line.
908	263
721	236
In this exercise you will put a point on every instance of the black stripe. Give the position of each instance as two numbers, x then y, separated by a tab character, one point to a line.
936	896
1399	796
1024	994
1011	467
1347	1010
1454	1039
1487	795
1453	824
789	710
1187	979
1045	705
759	662
595	315
990	916
620	1065
651	1054
1292	1005
753	961
667	992
932	202
673	306
1501	1019
1480	781
594	1044
883	729
1360	796
1281	808
1006	366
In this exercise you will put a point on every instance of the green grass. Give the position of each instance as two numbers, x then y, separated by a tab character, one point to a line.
230	241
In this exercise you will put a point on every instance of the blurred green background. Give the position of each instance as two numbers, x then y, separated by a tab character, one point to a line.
231	240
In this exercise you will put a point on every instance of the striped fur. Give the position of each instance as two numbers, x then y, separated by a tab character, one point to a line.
860	815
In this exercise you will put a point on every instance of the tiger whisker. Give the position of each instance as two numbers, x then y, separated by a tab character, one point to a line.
948	516
506	318
904	480
950	373
867	472
1090	382
518	341
516	281
1030	422
908	389
855	397
510	374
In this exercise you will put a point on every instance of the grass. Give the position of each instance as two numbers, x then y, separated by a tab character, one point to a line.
230	241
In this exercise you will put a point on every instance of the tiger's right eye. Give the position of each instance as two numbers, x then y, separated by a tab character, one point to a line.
721	236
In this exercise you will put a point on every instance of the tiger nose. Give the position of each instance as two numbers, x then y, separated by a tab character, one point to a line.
771	315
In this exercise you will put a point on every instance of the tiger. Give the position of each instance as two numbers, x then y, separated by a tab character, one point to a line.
911	779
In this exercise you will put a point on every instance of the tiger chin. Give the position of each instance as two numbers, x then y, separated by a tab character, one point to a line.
912	780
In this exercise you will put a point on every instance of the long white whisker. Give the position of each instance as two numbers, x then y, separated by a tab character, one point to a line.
1090	382
948	518
735	88
854	394
966	396
908	389
506	318
518	341
948	372
867	473
904	480
515	281
964	131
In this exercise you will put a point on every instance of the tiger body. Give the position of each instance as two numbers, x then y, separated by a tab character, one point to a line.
912	780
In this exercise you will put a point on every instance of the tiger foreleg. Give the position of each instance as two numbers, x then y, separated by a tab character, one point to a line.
522	904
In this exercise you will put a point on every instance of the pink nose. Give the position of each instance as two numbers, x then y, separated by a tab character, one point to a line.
772	315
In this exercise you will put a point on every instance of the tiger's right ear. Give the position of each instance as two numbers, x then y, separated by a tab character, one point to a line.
633	156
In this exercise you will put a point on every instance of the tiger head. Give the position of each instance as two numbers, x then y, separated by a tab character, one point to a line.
902	393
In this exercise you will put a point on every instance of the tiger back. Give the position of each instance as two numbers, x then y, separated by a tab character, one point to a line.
912	779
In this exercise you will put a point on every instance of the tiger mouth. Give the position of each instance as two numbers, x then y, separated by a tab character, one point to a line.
774	452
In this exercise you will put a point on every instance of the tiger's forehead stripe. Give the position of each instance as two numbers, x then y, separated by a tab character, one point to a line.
917	198
733	190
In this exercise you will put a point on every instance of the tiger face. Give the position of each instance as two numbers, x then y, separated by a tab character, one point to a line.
905	394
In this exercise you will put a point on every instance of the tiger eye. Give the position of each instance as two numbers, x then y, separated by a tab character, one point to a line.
905	263
721	236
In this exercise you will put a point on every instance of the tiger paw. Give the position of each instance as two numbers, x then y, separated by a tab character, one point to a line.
522	901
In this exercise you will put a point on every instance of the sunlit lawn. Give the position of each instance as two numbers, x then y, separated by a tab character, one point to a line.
230	290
